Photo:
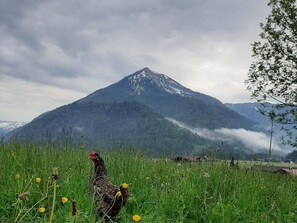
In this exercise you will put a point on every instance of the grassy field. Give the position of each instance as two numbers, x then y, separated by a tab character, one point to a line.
160	191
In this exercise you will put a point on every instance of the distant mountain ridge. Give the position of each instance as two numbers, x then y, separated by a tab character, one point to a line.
251	111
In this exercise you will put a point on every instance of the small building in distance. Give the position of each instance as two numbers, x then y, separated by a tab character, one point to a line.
184	159
276	169
287	171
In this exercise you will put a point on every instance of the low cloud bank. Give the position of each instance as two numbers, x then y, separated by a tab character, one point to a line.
256	141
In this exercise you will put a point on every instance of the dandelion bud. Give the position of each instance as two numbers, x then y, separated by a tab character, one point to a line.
55	174
119	193
17	177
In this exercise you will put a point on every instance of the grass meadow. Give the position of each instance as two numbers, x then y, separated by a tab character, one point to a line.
160	191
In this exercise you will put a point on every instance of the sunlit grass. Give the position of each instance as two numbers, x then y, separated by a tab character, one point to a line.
160	191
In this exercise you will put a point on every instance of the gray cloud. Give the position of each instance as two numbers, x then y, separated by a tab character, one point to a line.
81	46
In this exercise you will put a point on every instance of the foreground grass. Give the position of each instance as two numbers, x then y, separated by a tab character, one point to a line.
161	191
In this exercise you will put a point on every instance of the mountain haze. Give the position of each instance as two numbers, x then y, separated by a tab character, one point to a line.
252	112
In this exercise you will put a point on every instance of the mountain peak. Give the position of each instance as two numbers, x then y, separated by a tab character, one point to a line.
146	69
145	78
146	72
146	83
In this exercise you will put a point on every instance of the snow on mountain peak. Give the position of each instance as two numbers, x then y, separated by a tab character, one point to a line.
10	125
145	76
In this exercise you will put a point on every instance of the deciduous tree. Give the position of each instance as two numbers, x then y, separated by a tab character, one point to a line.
273	73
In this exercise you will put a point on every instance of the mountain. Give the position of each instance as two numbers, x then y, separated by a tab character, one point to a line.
136	111
110	124
251	111
7	126
170	99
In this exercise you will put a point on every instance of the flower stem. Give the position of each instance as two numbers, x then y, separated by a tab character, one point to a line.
54	201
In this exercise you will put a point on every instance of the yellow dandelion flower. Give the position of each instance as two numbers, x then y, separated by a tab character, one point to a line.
41	210
119	193
125	186
64	200
136	218
18	176
38	180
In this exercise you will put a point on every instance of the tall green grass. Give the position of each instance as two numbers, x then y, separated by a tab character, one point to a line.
160	190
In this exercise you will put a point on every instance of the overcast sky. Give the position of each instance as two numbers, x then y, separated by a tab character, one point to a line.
53	52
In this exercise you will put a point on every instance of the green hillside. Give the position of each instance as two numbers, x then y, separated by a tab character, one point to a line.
111	124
